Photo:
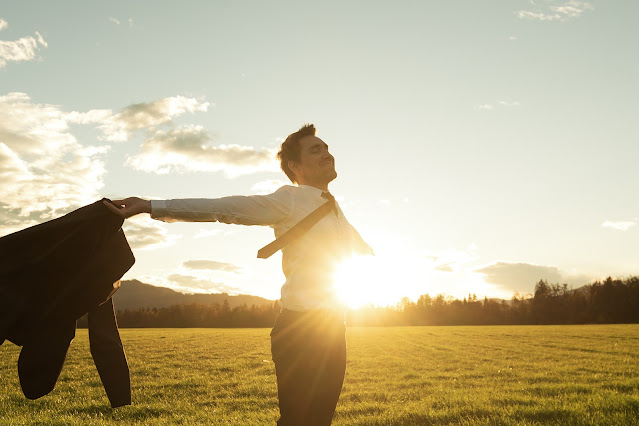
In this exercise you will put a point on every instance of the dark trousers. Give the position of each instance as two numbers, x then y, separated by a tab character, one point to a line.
309	352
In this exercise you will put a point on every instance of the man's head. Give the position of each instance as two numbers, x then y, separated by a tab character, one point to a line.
305	158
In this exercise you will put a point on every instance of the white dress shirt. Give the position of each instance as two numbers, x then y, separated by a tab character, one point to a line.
309	262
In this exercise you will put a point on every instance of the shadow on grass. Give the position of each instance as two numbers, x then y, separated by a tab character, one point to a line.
548	415
131	412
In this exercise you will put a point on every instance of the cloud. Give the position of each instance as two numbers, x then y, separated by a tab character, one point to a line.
115	21
44	170
489	107
451	260
267	186
522	277
211	265
176	149
572	9
553	10
90	117
194	284
444	268
199	276
526	14
147	116
23	49
146	233
619	226
189	284
484	107
188	149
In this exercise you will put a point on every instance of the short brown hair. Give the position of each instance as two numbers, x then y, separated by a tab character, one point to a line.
290	149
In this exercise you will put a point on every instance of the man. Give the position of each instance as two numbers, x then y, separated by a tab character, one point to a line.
308	342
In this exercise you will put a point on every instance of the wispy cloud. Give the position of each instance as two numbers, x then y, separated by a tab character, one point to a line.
148	234
484	107
194	284
188	149
501	104
190	283
211	265
553	10
451	259
267	186
176	149
44	170
619	226
23	49
522	277
116	21
147	116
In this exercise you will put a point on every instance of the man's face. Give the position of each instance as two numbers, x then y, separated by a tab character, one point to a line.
316	166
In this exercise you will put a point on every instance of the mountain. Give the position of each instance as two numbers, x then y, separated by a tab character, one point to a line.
134	294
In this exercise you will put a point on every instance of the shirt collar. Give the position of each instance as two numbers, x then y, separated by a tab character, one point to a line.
312	189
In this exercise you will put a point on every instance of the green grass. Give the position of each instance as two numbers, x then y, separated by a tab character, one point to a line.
508	375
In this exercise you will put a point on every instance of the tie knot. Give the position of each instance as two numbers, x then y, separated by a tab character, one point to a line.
331	201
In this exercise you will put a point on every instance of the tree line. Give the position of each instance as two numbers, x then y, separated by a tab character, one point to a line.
602	302
607	301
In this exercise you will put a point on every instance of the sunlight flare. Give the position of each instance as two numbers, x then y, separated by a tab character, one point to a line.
379	280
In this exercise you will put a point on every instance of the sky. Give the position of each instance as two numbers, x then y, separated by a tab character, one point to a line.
481	145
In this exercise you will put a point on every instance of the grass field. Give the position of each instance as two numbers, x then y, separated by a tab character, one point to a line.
395	376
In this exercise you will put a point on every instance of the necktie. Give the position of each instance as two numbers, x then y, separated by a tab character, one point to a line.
300	227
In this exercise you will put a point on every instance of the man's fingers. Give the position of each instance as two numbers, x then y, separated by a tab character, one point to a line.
113	208
129	206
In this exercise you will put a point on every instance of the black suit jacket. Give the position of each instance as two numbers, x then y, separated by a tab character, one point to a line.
53	273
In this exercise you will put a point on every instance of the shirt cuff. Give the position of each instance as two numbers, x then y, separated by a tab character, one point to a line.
158	209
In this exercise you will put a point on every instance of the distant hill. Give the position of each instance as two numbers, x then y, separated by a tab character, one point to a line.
134	294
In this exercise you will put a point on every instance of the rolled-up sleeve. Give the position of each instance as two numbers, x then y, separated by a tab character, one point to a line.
242	210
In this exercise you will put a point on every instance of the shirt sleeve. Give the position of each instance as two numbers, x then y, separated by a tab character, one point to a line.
361	246
242	210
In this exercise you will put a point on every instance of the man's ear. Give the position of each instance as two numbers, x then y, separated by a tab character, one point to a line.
294	166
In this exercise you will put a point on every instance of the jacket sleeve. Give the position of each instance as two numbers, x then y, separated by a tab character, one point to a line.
108	354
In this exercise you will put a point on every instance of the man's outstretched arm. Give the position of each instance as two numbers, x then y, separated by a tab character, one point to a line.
129	206
243	210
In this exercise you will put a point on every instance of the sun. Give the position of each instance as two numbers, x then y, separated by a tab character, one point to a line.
381	280
399	269
355	285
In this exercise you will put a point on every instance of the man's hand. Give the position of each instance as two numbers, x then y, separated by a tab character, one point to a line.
130	206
